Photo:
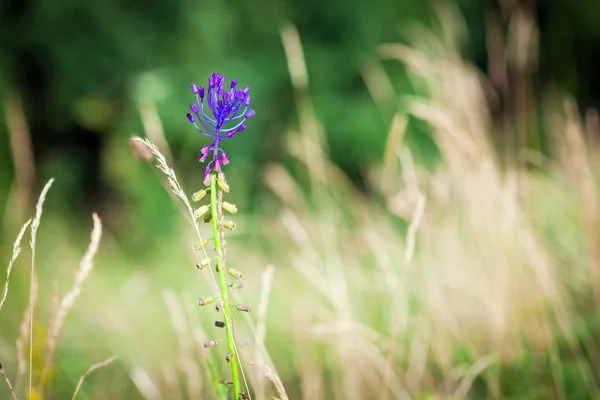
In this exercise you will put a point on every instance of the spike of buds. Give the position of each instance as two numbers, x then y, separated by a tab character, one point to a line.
235	273
229	225
199	195
199	212
236	285
230	208
202	301
211	343
243	307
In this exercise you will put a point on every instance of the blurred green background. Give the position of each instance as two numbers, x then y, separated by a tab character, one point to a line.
78	79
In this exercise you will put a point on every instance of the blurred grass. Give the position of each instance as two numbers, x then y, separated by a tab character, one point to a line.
494	298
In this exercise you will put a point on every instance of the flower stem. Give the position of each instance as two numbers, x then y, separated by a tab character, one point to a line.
215	206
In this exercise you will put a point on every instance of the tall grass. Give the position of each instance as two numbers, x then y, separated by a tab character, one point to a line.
476	277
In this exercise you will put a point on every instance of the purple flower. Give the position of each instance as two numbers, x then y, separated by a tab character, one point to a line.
223	118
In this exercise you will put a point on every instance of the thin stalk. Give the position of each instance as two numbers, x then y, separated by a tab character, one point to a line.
224	289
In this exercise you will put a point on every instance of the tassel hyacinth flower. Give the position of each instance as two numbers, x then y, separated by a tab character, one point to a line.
224	117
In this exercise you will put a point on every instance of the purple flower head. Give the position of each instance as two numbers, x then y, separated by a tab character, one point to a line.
222	118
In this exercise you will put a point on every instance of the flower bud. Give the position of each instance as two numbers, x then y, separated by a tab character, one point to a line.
190	117
219	306
207	218
204	263
202	301
236	285
199	212
200	245
219	324
211	343
222	183
243	307
250	114
201	92
194	108
206	176
223	158
233	83
229	225
199	195
230	208
217	165
235	273
194	88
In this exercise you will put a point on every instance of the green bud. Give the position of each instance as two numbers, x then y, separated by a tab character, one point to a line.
207	218
199	195
230	208
200	245
229	225
235	273
202	301
222	183
204	263
201	211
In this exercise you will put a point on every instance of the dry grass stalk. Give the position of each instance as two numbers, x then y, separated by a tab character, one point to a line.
261	326
274	378
91	369
24	333
10	388
68	301
21	151
13	258
33	282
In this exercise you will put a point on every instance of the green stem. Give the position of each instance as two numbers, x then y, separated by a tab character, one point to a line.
216	220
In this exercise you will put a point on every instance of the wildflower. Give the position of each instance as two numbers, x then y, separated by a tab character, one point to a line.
199	195
230	208
202	301
224	117
235	273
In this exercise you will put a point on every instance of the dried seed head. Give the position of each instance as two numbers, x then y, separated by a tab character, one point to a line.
219	324
229	225
230	208
236	285
199	212
235	273
204	263
211	343
199	195
207	218
202	301
228	357
243	307
140	151
200	245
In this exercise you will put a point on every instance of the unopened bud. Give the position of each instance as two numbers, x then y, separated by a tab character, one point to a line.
211	343
235	273
199	212
222	183
236	285
243	307
204	263
199	195
207	218
200	245
229	225
202	301
230	208
228	357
